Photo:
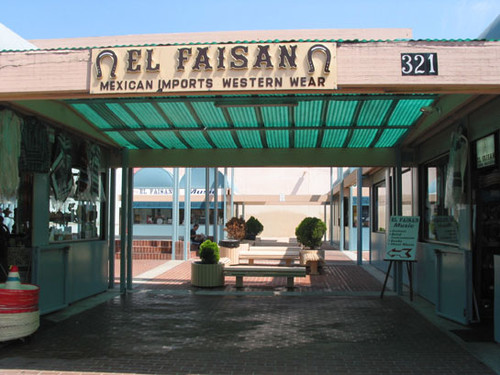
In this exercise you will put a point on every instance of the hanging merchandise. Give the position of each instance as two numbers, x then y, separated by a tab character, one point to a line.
61	177
94	158
10	141
35	155
457	163
88	176
83	181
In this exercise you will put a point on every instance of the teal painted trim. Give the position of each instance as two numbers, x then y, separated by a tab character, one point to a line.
349	41
52	277
40	233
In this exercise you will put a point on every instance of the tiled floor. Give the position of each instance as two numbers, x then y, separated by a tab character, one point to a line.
334	323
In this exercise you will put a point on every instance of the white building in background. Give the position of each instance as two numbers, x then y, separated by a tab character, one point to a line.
278	197
281	197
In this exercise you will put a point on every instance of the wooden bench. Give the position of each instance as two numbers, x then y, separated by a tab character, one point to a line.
289	256
225	261
241	271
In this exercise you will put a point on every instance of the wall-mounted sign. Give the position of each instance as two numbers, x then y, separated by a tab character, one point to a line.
402	238
222	67
485	151
419	64
445	228
170	191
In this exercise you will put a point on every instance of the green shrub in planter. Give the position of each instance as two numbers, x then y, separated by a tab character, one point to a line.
209	252
310	232
254	228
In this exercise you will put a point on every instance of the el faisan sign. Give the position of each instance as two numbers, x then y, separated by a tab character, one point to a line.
223	67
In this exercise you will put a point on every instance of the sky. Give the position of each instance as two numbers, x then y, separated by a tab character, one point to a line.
429	19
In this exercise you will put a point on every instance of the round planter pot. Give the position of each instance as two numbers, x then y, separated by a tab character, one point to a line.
230	249
207	275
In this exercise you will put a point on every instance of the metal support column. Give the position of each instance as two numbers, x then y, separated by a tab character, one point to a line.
398	211
325	236
207	201
224	212
123	224
130	226
331	205
175	213
216	205
232	193
111	228
359	232
341	213
187	214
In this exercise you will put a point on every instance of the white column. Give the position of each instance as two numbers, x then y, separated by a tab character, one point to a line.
359	229
224	220
216	205
175	212
187	213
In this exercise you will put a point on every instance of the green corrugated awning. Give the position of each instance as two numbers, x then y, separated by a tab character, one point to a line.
256	121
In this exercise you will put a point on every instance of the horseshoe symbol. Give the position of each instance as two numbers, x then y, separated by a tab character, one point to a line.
326	51
102	55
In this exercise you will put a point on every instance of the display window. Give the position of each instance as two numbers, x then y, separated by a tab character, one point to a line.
76	202
76	219
439	222
379	207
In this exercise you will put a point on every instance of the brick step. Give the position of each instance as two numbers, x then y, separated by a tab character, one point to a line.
149	256
161	244
150	249
152	244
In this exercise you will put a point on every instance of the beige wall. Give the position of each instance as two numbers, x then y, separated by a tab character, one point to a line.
288	195
287	181
281	221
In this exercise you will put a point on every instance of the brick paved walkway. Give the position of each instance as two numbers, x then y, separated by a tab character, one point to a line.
163	329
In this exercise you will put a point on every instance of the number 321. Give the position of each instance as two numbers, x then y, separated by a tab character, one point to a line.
419	64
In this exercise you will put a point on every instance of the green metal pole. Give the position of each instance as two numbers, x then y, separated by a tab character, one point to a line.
216	205
123	224
341	213
187	213
130	226
359	232
331	205
232	192
175	213
224	212
111	230
207	202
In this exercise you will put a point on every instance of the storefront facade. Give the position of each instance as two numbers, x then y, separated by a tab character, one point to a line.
389	107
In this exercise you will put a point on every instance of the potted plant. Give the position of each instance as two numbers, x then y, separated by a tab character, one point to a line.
310	234
236	228
208	272
254	228
230	248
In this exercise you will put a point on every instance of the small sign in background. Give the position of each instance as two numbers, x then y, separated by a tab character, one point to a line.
402	240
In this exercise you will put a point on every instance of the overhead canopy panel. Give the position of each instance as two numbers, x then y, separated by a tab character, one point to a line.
255	122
